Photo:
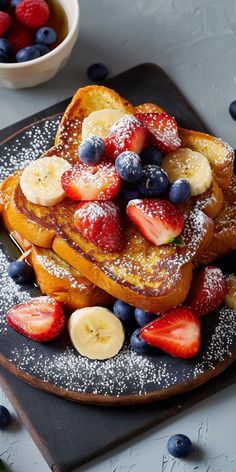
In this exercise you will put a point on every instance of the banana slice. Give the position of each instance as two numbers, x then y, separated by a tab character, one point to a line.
230	298
99	122
96	332
191	165
41	181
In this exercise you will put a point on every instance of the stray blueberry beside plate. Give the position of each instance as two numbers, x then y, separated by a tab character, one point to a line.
5	417
179	445
20	272
97	72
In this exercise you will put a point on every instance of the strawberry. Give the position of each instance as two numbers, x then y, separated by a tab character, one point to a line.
100	223
208	290
158	220
163	130
40	319
5	22
20	37
127	134
32	13
91	182
178	332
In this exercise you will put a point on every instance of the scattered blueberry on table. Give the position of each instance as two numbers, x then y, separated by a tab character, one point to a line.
91	149
232	109
20	272
5	417
138	344
97	72
179	445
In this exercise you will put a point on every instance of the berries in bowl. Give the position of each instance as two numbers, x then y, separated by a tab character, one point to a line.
36	40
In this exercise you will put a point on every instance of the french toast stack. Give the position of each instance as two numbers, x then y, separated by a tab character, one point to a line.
77	272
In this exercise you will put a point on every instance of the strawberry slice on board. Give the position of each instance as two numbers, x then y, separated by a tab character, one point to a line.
127	134
91	182
208	290
41	319
177	333
158	220
163	130
100	223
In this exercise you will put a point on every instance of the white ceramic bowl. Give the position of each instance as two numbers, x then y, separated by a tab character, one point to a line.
31	73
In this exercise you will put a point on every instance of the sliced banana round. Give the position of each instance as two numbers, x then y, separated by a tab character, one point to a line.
40	182
99	122
96	332
191	165
230	298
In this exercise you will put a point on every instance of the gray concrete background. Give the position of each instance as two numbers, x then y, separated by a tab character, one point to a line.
195	42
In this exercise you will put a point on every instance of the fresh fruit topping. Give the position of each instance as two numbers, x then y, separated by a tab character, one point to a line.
97	72
99	122
5	417
232	109
230	298
180	191
190	165
46	35
40	182
163	130
14	3
207	290
97	182
159	221
154	181
179	445
40	319
20	37
5	46
123	311
32	13
42	48
90	151
20	272
143	317
27	54
151	155
127	134
3	4
5	22
177	333
128	192
129	167
100	223
138	344
96	332
3	57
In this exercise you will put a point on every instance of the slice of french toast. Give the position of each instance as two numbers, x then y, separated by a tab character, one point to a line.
153	278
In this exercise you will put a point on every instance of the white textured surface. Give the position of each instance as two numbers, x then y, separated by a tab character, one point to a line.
195	42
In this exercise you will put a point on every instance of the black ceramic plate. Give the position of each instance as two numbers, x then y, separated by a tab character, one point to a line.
58	368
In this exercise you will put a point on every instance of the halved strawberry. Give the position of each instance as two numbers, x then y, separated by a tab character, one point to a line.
127	134
91	182
100	223
158	220
163	130
178	332
40	319
208	290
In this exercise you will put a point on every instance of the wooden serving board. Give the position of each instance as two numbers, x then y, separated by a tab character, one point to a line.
143	83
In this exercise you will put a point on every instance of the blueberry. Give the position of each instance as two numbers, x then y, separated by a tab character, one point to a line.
14	3
91	150
27	54
151	155
123	311
179	445
138	344
45	35
20	272
5	46
42	48
232	109
5	417
3	4
128	192
3	57
97	72
142	317
154	182
129	167
180	191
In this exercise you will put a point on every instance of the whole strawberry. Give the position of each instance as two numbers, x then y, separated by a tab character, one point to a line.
32	13
5	22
